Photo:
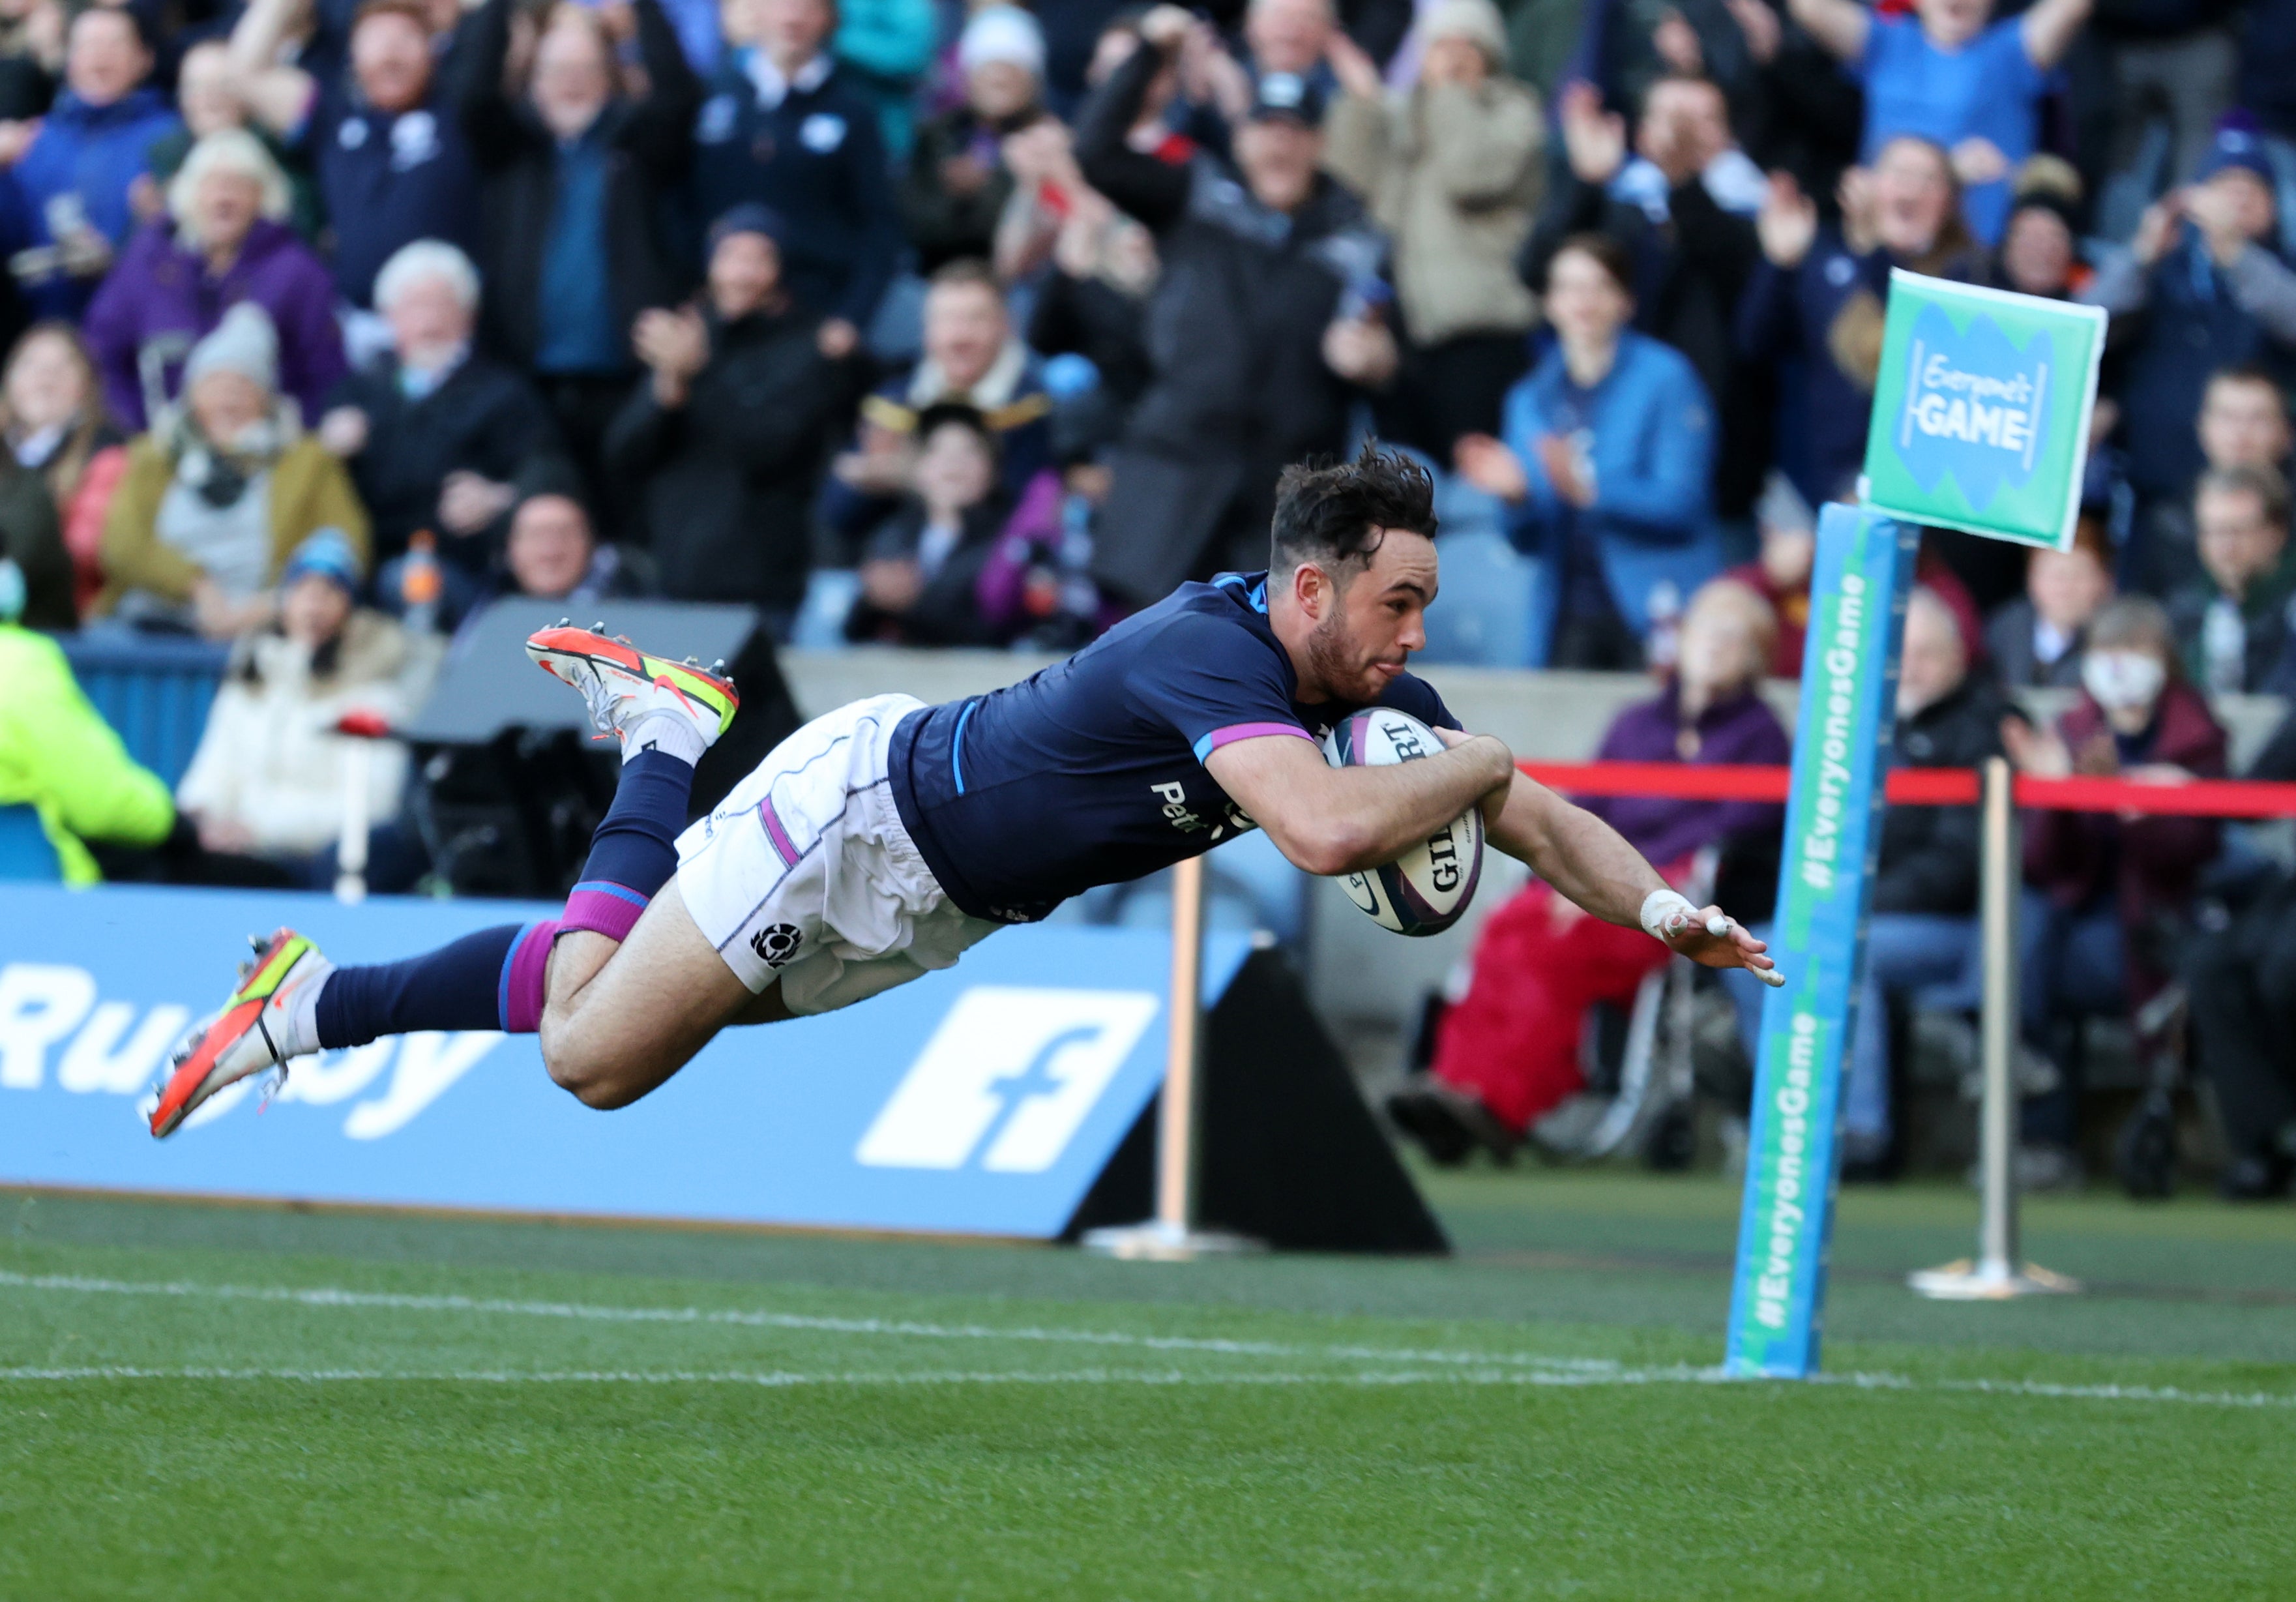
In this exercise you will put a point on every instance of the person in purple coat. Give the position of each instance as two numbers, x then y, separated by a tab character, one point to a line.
1508	1052
223	242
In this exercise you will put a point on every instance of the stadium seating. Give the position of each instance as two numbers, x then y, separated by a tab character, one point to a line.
155	690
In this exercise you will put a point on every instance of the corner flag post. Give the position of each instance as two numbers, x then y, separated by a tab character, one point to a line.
1980	423
1834	813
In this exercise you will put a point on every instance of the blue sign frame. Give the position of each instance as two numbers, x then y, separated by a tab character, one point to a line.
985	1099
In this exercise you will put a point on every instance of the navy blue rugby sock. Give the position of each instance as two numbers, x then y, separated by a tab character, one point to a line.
635	850
462	985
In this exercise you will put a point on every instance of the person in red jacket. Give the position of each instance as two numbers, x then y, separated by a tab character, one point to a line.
1508	1052
2105	893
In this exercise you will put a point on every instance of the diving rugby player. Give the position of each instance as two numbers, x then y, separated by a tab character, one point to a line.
878	842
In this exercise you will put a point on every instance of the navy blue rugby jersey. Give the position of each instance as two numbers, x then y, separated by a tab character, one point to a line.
1092	772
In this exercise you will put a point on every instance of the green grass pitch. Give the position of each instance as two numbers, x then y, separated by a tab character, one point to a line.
219	1401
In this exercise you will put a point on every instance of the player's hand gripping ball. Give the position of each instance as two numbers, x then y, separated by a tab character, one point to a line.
1427	889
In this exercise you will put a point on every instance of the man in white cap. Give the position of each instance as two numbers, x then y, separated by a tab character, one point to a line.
957	185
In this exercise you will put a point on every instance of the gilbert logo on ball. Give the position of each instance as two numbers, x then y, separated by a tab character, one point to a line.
1981	410
1427	889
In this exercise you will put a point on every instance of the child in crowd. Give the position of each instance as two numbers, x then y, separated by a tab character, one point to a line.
918	580
269	776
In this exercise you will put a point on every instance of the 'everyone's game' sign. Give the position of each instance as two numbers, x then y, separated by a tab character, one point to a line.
1981	410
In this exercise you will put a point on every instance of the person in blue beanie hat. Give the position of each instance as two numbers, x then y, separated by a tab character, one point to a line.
269	776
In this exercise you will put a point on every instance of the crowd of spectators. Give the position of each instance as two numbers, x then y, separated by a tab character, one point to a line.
1616	271
981	325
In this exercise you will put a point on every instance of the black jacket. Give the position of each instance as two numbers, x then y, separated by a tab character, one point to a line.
723	483
2268	623
2009	642
31	536
943	225
650	148
1807	116
816	158
1232	332
1096	320
946	613
1234	327
1929	854
485	419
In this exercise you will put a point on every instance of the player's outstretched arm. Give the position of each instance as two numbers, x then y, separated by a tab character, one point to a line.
1335	820
1591	866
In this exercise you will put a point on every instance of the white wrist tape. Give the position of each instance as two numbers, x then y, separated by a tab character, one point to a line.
1667	913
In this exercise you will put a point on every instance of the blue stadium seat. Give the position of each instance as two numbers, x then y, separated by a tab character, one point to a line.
1491	612
25	853
155	691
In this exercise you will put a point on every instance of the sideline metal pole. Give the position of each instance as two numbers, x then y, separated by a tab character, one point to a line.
1995	1275
351	849
1171	1236
1175	1118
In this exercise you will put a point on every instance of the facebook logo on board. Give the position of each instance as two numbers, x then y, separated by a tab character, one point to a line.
1006	1080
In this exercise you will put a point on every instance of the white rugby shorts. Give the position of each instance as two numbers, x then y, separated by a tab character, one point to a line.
805	873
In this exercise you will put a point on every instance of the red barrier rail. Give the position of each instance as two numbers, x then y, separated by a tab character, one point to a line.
1925	787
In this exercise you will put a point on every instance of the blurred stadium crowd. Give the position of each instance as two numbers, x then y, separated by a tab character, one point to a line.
943	324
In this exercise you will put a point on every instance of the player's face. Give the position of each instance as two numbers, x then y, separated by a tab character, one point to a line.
1373	621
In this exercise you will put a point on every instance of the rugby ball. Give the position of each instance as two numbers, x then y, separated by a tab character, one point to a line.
1427	889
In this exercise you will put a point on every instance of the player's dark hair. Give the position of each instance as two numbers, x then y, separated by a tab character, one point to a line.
1333	513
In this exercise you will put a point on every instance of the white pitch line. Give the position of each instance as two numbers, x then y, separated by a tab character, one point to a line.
784	1379
1456	1367
328	1296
